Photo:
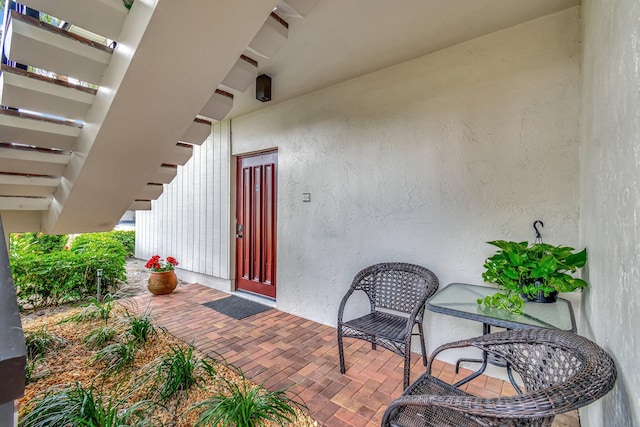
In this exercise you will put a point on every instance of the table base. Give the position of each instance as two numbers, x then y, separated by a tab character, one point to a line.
486	359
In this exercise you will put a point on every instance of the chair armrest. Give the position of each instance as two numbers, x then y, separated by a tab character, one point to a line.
411	320
343	303
446	346
418	310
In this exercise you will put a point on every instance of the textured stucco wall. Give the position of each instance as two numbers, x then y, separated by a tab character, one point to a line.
610	198
424	162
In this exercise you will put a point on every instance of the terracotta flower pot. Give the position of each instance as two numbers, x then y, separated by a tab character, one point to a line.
162	282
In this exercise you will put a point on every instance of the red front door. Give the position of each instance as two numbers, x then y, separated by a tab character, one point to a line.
256	223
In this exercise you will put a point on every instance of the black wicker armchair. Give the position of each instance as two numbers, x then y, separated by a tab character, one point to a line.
561	371
393	286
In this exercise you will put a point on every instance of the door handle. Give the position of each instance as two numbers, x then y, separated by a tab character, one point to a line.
239	231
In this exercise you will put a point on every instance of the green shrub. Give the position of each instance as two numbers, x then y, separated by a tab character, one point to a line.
43	279
38	243
66	275
128	240
105	252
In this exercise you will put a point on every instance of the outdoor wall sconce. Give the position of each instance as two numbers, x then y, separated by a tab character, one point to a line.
263	88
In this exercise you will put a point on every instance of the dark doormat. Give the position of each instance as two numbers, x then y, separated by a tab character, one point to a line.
236	307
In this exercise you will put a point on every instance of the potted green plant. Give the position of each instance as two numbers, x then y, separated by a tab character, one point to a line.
537	272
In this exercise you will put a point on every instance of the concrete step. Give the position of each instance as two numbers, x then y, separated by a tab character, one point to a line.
32	42
22	89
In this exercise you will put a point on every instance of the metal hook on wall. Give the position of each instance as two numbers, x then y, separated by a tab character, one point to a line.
538	235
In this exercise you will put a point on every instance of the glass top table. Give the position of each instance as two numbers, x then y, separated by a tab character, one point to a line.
460	300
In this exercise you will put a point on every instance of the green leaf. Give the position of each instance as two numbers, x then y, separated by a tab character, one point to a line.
511	274
547	264
578	260
515	258
509	301
579	283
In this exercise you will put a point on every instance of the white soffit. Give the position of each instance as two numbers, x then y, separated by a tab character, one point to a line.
339	40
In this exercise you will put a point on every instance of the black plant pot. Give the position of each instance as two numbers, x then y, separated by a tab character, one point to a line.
539	297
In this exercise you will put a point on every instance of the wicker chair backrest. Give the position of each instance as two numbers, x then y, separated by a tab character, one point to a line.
396	286
545	358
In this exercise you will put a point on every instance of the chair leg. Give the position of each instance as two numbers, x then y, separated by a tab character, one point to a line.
407	366
340	350
424	350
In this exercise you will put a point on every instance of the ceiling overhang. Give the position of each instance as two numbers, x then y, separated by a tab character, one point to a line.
108	145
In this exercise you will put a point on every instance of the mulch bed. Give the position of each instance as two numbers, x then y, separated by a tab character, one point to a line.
72	363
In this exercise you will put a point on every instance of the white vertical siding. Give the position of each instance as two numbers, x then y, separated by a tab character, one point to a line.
208	214
190	221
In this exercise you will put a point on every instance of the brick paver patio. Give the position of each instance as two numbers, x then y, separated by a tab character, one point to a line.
283	350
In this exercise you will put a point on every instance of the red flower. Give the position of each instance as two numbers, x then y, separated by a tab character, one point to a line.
157	264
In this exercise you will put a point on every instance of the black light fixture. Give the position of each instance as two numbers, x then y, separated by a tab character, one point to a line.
263	88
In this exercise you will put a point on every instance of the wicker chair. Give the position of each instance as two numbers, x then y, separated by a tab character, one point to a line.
561	371
392	286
